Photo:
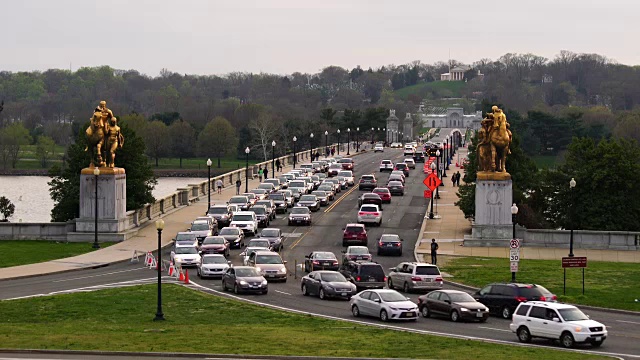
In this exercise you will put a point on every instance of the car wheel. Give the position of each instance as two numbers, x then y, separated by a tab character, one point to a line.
384	316
405	288
235	289
566	340
596	344
454	316
425	312
355	311
524	336
265	292
506	312
322	295
289	223
305	292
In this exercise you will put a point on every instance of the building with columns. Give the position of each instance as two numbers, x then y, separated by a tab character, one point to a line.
452	118
455	74
407	126
392	126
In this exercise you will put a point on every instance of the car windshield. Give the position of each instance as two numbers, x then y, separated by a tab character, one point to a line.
332	277
247	272
401	166
259	243
214	260
389	238
300	210
573	314
308	198
183	237
325	256
199	227
368	178
530	292
259	210
427	270
258	191
324	188
381	191
395	183
360	250
265	186
272	181
461	297
355	229
372	270
250	195
265	203
299	184
242	218
185	242
276	197
217	211
213	240
229	231
186	250
238	200
318	193
392	296
345	161
369	209
270	233
268	259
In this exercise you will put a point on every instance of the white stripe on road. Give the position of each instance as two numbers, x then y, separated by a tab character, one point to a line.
92	276
624	321
489	328
281	292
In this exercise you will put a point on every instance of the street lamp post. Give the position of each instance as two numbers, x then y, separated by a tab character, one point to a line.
96	173
448	142
357	140
246	171
514	212
273	159
433	169
311	146
326	143
295	156
348	140
444	158
338	132
373	131
159	227
572	184
209	182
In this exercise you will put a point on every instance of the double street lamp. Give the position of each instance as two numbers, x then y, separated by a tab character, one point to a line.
357	140
295	156
246	171
514	212
311	146
209	182
572	184
326	143
96	173
348	140
373	131
159	227
338	132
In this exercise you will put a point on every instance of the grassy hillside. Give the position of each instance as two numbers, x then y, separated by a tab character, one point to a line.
441	88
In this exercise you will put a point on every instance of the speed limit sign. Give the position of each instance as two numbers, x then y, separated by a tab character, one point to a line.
514	255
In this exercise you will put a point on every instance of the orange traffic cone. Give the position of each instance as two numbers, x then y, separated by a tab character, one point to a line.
181	278
186	276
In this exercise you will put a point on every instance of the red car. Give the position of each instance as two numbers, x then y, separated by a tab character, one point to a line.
354	234
347	163
384	194
215	245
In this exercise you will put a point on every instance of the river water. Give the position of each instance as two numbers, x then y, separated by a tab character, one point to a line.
30	194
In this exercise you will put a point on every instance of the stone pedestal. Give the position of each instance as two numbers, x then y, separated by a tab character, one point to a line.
492	225
112	201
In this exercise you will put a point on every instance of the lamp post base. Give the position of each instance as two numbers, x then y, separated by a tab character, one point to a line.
159	317
95	245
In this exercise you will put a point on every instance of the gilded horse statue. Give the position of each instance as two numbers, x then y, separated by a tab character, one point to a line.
95	138
500	139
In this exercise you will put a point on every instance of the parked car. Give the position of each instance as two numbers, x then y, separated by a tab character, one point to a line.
215	245
327	284
367	182
356	253
269	264
390	244
222	214
244	279
384	304
300	215
354	234
556	321
396	188
212	265
370	198
320	260
415	276
274	235
383	193
235	236
454	304
386	165
503	298
310	201
370	214
364	275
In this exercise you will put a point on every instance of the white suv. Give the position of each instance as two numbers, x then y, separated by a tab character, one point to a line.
415	276
557	322
245	220
386	165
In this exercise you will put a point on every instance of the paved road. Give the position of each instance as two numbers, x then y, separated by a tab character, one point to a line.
403	216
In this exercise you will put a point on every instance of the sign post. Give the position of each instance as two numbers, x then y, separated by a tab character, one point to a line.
514	257
573	262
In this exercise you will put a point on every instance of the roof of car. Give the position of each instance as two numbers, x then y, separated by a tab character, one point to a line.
549	304
354	224
371	195
212	255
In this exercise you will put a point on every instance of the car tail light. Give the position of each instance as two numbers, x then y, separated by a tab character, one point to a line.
361	180
554	298
357	278
439	279
335	262
398	244
380	243
416	278
316	262
521	299
361	213
376	214
543	298
385	279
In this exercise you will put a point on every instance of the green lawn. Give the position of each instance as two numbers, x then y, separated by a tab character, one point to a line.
22	252
607	284
448	88
121	320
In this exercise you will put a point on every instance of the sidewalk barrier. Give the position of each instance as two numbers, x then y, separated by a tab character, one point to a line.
151	263
148	258
136	256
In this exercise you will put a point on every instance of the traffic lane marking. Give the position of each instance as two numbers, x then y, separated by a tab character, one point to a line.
92	276
495	329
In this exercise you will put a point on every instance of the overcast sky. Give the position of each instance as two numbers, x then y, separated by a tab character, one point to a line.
285	36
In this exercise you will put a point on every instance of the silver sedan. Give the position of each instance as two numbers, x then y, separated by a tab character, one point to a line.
384	304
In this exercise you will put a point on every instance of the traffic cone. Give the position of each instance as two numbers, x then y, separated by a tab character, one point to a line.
186	276
172	270
181	278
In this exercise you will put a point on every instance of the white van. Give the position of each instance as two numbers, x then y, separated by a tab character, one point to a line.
245	220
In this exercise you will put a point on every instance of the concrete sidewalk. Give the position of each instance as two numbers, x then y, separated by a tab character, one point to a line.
450	226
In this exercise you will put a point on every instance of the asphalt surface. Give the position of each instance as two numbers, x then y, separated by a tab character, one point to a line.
403	216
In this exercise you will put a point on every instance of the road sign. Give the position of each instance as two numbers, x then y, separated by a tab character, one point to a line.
514	244
574	262
427	194
514	266
432	181
514	255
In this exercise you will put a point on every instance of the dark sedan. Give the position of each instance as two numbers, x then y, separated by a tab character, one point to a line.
396	188
327	284
310	201
215	245
370	198
244	279
324	260
262	215
274	235
323	197
390	244
235	236
454	304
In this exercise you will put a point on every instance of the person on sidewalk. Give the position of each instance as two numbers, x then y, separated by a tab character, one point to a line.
238	184
266	173
458	178
260	173
278	165
434	252
333	151
453	179
219	186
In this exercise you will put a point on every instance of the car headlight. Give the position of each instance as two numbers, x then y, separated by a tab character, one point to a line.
264	282
577	329
242	282
257	268
464	309
283	270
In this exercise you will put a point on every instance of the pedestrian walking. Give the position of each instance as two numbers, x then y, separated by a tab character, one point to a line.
238	184
260	172
219	186
458	178
278	165
266	173
333	151
453	179
434	251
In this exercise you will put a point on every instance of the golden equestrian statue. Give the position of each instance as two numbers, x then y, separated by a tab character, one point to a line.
103	135
494	139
